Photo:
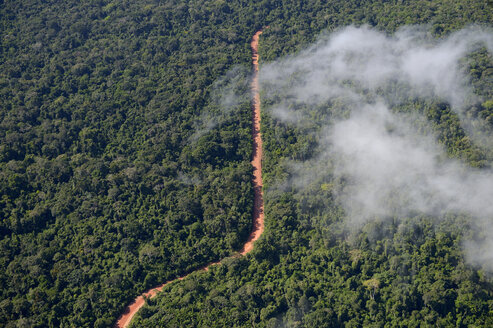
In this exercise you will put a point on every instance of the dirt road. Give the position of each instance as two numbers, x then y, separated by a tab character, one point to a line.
258	202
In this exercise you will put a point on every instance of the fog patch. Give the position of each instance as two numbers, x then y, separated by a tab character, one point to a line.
388	166
394	171
228	93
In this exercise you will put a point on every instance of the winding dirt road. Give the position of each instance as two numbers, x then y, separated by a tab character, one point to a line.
258	198
258	201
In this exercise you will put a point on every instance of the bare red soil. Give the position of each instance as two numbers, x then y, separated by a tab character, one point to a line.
258	201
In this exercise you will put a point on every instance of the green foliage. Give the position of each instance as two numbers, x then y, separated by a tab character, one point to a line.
308	270
106	190
103	190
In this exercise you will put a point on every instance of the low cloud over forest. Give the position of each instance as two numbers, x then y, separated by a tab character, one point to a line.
355	90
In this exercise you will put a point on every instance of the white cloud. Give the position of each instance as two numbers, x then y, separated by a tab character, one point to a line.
391	169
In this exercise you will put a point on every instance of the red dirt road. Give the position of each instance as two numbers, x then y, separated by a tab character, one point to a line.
258	201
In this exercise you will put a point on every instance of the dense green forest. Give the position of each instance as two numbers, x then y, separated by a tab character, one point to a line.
111	182
106	187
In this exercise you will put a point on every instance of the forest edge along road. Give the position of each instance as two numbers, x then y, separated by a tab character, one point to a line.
258	202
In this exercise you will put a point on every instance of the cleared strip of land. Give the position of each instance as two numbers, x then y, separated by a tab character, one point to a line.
258	202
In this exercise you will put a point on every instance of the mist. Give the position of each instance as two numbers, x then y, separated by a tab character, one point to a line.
226	96
394	171
347	89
